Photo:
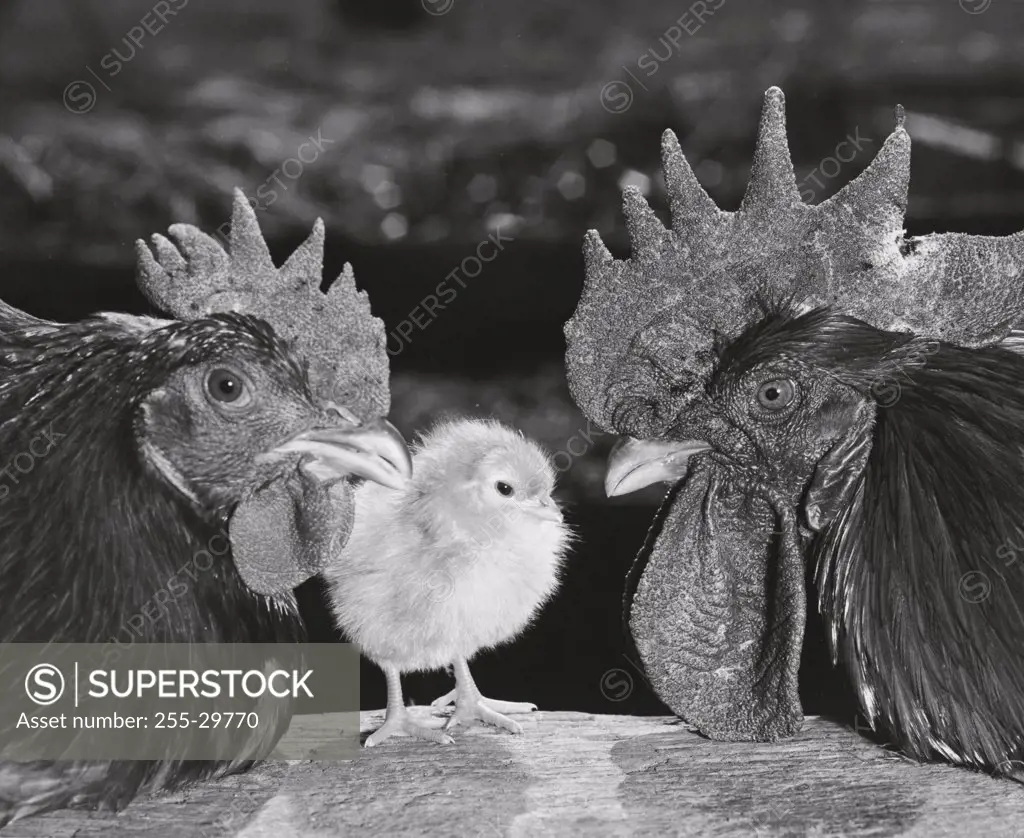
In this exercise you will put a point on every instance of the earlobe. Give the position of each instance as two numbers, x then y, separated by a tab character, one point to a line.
837	473
161	414
157	415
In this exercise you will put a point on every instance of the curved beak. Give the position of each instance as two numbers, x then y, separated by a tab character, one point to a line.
375	451
545	509
636	463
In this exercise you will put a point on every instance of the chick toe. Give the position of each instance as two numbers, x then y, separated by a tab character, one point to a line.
444	700
470	711
499	706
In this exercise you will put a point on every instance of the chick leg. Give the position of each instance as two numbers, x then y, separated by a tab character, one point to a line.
398	722
471	706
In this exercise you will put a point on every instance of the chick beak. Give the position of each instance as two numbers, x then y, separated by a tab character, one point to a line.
636	463
545	509
374	450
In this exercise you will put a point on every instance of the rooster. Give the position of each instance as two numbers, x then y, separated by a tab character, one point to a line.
146	439
817	387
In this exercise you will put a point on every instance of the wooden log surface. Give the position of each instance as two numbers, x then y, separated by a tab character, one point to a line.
578	774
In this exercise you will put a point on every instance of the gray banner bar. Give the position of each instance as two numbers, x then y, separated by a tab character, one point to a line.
179	701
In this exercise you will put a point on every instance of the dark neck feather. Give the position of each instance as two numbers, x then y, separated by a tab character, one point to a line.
918	578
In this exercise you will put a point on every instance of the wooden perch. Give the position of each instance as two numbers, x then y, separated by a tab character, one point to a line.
578	774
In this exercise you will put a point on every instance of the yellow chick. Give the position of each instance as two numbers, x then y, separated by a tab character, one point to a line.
459	560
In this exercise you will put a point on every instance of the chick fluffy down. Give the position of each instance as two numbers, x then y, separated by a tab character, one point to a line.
448	566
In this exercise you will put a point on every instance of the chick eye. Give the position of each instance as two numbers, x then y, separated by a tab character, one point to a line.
225	386
504	489
776	394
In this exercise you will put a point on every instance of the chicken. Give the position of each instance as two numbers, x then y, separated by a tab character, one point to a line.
815	386
459	560
147	437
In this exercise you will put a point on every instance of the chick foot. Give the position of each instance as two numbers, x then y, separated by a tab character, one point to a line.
471	706
494	704
398	722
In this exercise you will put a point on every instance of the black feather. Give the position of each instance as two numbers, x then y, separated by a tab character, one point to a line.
848	349
919	579
114	533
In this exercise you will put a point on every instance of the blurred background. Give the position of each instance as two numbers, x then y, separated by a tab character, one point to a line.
468	144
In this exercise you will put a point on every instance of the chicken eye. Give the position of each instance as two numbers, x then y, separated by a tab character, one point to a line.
776	394
225	386
504	489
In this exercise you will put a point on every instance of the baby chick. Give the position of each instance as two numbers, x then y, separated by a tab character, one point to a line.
458	561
